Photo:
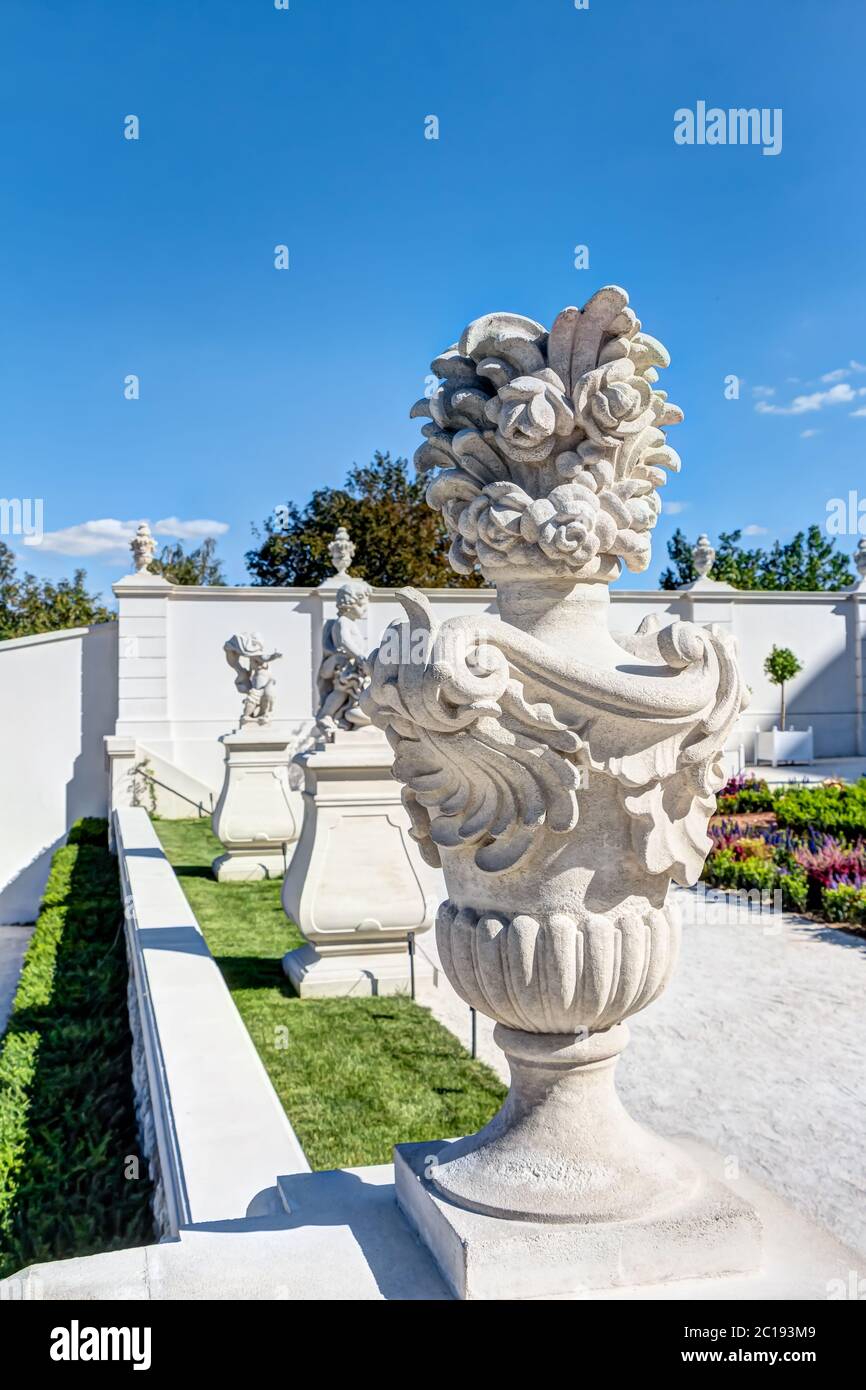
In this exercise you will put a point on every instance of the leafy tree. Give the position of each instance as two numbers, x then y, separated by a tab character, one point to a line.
398	538
809	561
29	605
199	566
782	666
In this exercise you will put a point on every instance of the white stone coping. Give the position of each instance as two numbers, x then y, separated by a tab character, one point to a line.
210	1115
38	639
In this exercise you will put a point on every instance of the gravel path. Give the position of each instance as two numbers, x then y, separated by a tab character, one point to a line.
757	1048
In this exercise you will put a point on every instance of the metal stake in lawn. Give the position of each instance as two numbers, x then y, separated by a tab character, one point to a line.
473	1013
411	944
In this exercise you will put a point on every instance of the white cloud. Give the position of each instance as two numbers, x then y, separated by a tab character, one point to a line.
857	414
839	374
110	537
188	530
754	530
840	394
809	434
763	390
674	508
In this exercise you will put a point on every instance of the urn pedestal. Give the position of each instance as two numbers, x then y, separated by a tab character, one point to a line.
258	815
357	886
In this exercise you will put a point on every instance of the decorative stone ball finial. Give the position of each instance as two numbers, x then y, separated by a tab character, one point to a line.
341	551
703	556
143	547
860	558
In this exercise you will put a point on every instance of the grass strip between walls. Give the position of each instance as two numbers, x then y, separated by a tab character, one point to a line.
72	1179
355	1076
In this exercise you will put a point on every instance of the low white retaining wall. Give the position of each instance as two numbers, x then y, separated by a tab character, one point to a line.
58	700
212	1125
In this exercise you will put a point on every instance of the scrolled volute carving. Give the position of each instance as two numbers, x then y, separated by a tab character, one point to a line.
497	735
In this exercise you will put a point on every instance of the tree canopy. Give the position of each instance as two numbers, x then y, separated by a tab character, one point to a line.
809	561
398	538
199	566
29	605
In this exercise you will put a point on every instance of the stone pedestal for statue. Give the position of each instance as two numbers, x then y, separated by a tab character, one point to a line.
563	776
258	816
357	885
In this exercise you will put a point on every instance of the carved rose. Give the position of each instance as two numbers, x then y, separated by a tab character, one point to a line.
568	525
614	402
529	412
494	517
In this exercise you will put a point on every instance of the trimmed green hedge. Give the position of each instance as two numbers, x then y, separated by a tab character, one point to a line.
67	1123
837	810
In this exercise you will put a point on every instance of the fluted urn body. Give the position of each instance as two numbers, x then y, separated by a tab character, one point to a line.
562	775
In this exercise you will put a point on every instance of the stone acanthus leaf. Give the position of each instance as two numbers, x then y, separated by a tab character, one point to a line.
545	451
495	734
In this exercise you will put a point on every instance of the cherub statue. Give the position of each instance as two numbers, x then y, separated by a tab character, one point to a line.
254	680
345	669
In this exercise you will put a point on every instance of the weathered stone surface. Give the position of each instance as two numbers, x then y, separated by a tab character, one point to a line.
357	885
246	655
563	776
259	813
344	672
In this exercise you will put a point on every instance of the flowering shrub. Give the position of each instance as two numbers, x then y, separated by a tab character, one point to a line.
845	903
829	862
743	794
804	869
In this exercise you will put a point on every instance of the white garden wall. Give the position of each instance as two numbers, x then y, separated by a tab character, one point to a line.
58	700
159	680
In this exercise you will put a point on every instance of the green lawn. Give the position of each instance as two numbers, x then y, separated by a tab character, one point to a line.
72	1179
355	1075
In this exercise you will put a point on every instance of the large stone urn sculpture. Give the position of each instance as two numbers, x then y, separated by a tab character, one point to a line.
258	815
563	777
357	887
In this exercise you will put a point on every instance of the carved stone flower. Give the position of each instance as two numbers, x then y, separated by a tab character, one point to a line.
614	402
493	518
529	412
568	525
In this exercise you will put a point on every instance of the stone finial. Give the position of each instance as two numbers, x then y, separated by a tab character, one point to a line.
561	776
545	450
341	551
703	556
859	558
247	656
143	547
344	672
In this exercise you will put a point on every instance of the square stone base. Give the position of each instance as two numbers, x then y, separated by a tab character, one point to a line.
485	1257
248	866
362	974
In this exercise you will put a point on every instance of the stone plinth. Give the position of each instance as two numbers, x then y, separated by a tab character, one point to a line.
357	885
713	1235
258	815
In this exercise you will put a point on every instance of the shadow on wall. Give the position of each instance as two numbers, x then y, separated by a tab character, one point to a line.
85	792
822	696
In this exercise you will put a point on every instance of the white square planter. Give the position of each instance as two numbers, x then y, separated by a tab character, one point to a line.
784	746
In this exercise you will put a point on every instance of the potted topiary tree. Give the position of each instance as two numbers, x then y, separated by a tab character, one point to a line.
783	745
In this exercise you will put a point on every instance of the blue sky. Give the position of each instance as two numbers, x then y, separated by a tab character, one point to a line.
261	126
